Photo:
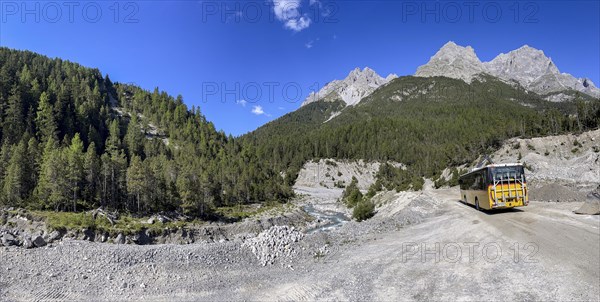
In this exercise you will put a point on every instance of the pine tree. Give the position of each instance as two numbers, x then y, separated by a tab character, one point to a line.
14	186
45	119
4	159
14	126
91	172
33	163
113	142
134	139
52	190
75	168
136	180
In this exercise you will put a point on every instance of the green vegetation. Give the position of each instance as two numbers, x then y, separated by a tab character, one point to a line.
352	195
451	125
71	140
125	225
330	163
363	210
239	212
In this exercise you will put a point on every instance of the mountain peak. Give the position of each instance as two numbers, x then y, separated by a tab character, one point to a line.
528	66
357	85
453	61
525	65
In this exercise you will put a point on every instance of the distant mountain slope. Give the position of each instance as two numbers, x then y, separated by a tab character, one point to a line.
357	85
426	123
527	66
536	72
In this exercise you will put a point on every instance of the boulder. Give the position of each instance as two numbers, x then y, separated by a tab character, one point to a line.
88	234
55	235
8	240
141	238
591	205
27	243
120	239
39	241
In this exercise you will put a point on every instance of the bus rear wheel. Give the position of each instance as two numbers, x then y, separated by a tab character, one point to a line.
477	204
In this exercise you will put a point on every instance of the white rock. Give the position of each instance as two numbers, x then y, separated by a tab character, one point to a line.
527	66
356	86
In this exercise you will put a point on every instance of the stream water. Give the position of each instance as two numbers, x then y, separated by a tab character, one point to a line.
327	220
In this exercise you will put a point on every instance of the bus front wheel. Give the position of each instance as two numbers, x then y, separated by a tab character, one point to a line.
477	204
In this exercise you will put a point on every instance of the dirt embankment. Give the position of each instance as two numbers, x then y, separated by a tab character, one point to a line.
331	173
559	168
22	229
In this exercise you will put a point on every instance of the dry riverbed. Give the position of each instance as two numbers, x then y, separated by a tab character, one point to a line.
420	246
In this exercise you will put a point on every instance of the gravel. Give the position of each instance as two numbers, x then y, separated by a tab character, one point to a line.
272	258
276	243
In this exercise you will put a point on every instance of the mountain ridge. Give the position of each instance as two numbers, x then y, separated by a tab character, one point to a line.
357	85
527	66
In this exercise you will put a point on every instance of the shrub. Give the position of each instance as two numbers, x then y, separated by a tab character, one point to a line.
363	210
352	194
354	198
454	180
340	184
372	191
330	163
417	183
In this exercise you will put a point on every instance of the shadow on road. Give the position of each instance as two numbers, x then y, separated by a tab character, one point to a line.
490	212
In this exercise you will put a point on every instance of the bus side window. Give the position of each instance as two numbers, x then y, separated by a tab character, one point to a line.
484	181
475	182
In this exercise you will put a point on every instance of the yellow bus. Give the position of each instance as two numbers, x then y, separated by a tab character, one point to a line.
498	186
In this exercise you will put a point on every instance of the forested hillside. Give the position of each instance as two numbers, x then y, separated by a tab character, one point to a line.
426	123
72	140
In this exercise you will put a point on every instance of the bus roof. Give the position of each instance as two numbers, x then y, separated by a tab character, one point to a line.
492	166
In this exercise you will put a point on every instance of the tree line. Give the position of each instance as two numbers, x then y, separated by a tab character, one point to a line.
72	140
427	129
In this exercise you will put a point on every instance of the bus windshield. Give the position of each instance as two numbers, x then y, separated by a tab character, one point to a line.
509	172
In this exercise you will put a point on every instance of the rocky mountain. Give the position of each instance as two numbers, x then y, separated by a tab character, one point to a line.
527	66
453	61
357	85
535	71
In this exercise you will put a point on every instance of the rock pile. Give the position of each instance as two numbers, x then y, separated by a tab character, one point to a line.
25	240
592	204
274	243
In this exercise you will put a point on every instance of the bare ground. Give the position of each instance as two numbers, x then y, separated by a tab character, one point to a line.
419	246
452	252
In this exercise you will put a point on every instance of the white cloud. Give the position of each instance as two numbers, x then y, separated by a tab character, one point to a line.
288	12
309	45
258	110
241	102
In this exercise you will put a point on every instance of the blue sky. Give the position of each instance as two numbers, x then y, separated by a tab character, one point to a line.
248	62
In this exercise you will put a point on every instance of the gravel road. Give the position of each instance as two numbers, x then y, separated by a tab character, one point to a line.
452	252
